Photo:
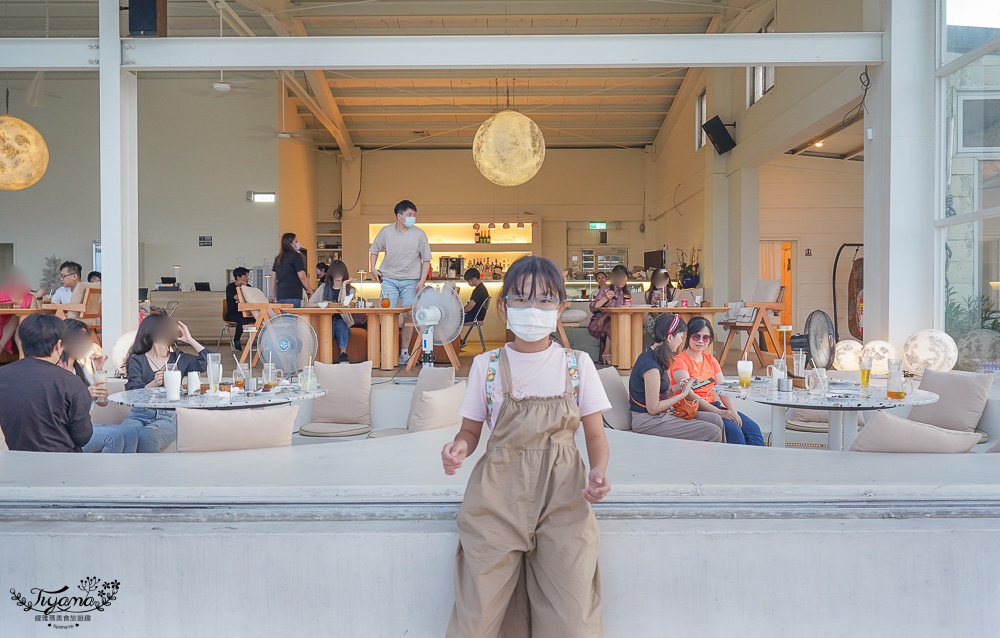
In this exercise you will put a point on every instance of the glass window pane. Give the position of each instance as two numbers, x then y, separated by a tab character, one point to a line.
969	23
972	291
972	136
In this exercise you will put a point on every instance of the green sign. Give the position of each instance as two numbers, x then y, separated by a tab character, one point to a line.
598	225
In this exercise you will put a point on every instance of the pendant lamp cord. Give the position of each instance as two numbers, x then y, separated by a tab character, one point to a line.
7	100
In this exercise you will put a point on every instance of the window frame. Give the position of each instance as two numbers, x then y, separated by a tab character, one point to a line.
760	79
700	117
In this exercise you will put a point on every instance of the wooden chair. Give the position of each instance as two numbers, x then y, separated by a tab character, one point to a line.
253	303
85	305
760	325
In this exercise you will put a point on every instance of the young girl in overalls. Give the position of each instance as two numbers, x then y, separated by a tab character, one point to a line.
527	555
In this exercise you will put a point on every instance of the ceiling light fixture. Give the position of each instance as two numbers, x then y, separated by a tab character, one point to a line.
492	226
508	148
819	143
25	155
506	225
520	224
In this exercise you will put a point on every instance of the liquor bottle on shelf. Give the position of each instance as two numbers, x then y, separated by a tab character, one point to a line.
477	237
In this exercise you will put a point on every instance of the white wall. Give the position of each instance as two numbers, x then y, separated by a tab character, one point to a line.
60	214
819	204
198	155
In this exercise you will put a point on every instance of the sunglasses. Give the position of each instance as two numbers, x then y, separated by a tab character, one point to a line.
700	337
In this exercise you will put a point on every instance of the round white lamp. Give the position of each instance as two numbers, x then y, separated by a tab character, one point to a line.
930	350
508	148
880	353
847	355
24	155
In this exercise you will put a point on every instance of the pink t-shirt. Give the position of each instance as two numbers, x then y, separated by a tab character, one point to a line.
537	374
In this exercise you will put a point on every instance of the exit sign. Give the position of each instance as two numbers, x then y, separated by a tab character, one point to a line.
598	225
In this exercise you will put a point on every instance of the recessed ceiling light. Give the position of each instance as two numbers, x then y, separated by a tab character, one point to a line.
820	143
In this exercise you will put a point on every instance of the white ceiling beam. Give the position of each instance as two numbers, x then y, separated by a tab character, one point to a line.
507	52
49	54
516	97
443	8
436	126
354	112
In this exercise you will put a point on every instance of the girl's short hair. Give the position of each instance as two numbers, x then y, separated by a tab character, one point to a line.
666	325
696	325
544	274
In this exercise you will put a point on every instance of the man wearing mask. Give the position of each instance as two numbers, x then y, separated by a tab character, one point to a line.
404	268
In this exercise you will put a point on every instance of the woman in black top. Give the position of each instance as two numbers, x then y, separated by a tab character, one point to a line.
149	357
290	277
335	287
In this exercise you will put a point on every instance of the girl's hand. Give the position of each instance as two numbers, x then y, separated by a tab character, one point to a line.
597	488
158	379
731	415
452	456
185	332
98	393
685	386
98	360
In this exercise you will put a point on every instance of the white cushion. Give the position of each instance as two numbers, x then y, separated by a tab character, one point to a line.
387	432
574	315
217	430
436	378
253	295
3	441
963	399
437	408
348	390
889	433
619	416
767	291
802	415
334	429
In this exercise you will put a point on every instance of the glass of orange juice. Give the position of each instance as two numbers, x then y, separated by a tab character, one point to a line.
385	302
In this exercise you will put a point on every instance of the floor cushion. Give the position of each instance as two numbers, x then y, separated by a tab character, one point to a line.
250	429
428	379
348	391
437	408
890	433
619	416
334	429
963	397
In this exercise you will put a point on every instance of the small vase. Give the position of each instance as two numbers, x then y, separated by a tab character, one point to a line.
690	281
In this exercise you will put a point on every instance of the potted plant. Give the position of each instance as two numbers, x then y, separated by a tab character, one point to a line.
688	272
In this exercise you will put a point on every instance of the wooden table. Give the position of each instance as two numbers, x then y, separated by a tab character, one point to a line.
383	331
24	312
626	329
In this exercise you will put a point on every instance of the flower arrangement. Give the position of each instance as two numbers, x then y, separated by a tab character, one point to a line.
688	269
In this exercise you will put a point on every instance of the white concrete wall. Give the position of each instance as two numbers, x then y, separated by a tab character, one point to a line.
198	155
818	204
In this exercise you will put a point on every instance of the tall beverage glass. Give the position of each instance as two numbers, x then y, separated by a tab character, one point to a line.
745	369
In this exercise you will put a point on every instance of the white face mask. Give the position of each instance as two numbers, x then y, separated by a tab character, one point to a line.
297	246
409	221
532	324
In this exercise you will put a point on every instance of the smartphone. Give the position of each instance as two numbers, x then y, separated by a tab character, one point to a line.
702	384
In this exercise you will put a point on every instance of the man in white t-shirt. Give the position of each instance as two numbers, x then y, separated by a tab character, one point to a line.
404	268
69	277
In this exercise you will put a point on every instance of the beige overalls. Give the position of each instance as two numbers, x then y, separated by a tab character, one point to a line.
526	563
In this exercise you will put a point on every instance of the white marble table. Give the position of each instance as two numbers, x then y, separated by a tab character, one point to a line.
156	399
843	401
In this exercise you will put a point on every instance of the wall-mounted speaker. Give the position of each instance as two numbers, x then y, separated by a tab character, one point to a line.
147	18
718	135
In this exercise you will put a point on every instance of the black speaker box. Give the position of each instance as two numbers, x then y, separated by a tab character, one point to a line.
718	135
147	18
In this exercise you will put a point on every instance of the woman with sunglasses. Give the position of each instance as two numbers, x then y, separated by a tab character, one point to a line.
698	363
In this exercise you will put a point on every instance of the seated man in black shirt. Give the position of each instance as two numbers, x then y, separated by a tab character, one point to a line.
478	298
43	408
233	315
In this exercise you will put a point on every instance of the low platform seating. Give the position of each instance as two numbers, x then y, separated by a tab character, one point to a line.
946	426
222	430
344	409
428	380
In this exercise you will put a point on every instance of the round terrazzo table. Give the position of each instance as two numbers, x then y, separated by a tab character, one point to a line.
156	399
843	401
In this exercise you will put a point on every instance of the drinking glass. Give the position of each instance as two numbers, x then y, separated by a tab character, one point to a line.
799	363
385	302
816	381
866	371
240	375
307	379
778	370
896	387
101	379
171	381
271	377
745	369
214	372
